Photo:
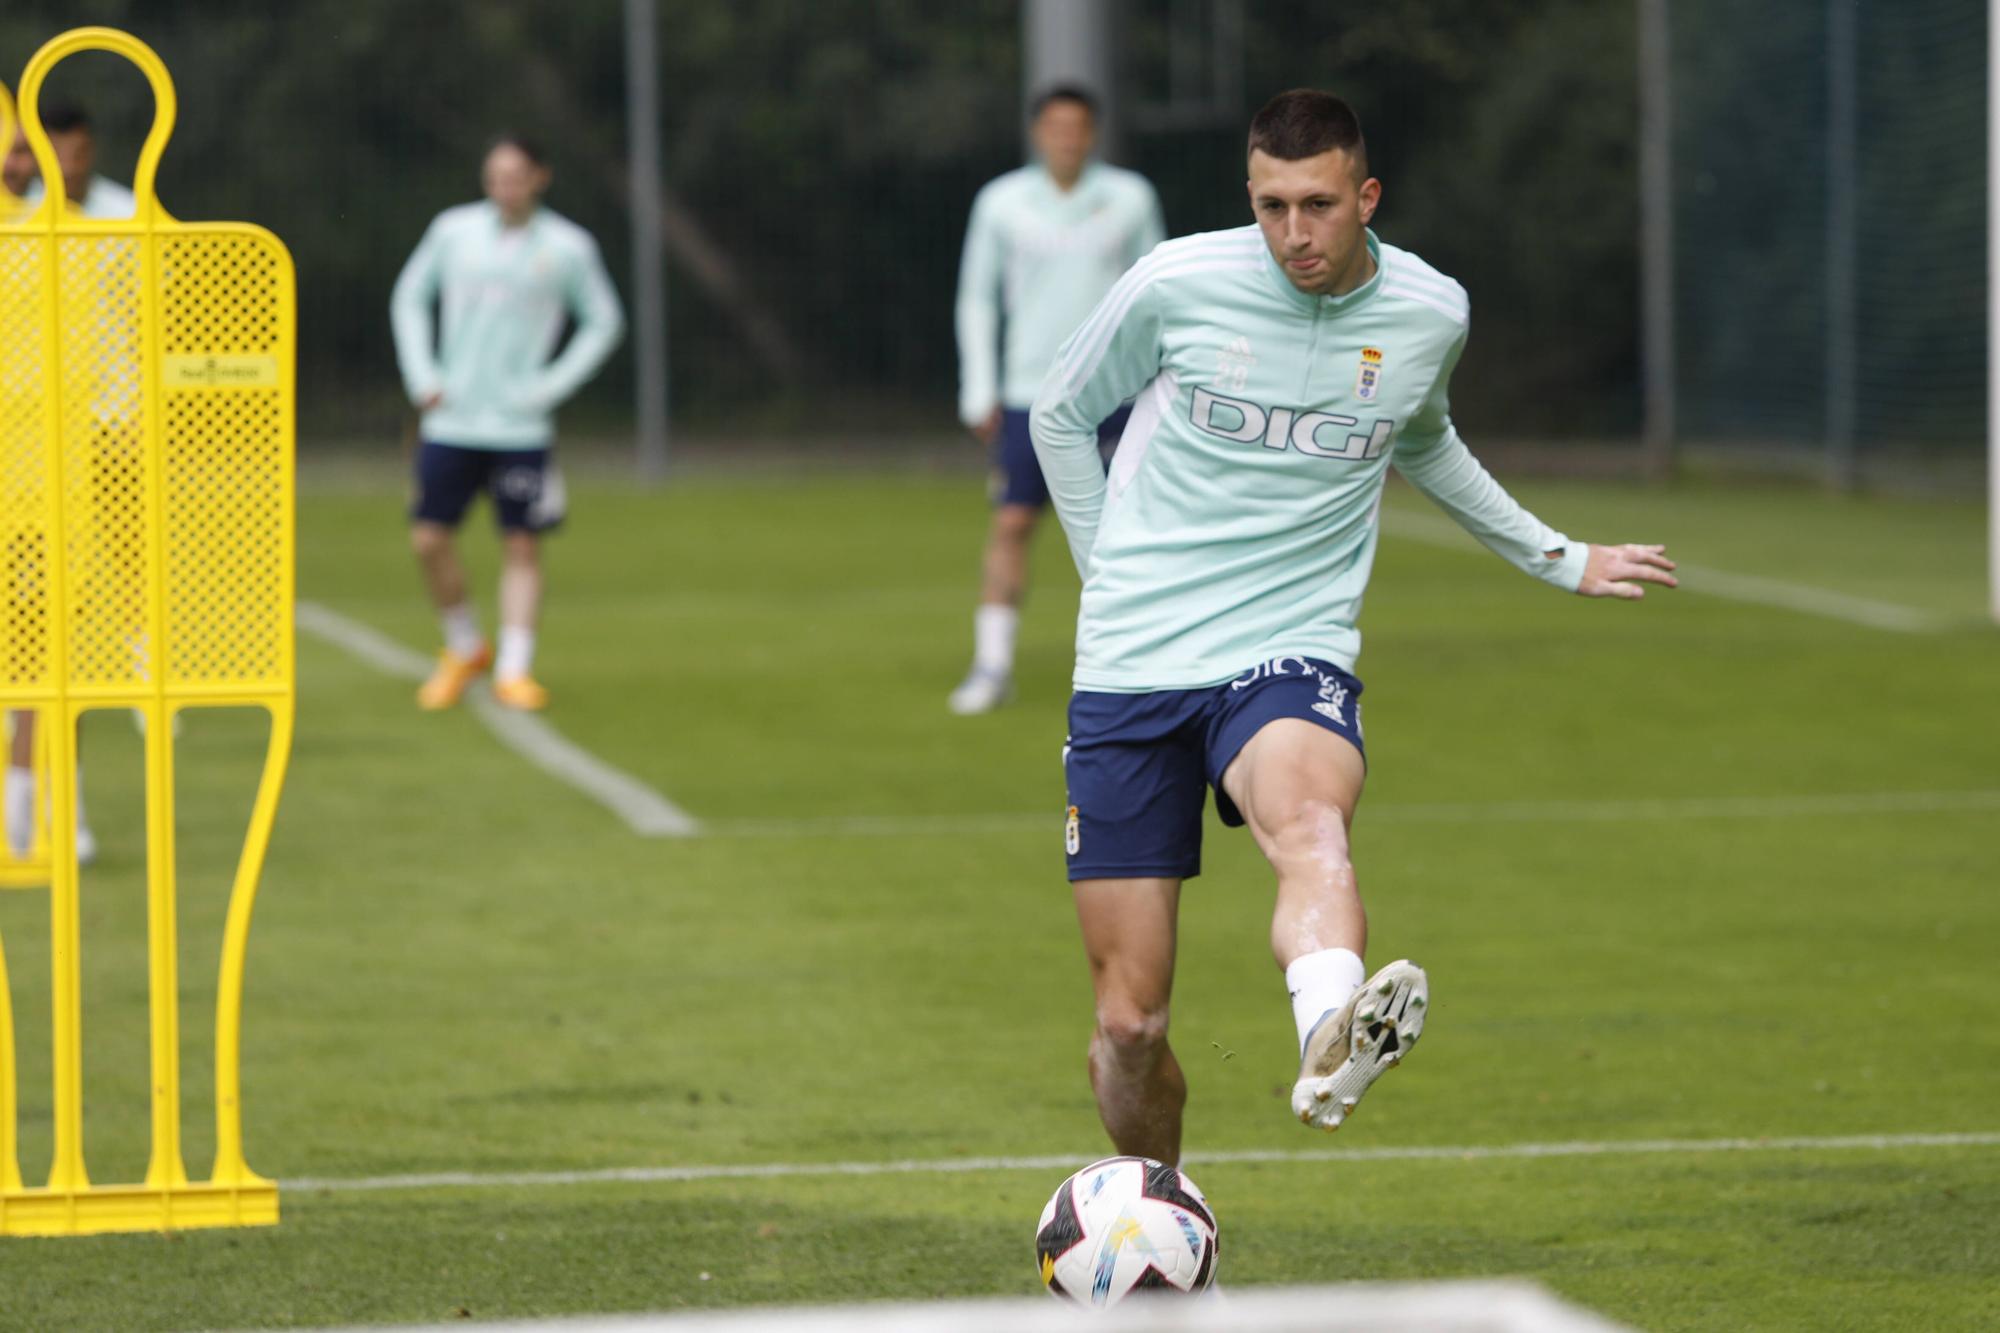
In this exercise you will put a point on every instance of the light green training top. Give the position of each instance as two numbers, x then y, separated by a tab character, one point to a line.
1042	256
1240	518
503	293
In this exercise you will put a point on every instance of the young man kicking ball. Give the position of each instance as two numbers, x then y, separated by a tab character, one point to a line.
505	273
1279	370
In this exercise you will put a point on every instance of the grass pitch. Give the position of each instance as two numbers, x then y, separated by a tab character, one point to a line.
1596	824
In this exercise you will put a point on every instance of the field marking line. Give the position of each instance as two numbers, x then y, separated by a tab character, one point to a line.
1751	588
1464	812
642	1175
641	808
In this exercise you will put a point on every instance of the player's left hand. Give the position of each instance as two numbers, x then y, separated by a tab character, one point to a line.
1621	571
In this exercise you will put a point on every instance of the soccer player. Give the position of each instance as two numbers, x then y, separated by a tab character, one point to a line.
1045	242
1280	369
505	273
75	142
93	196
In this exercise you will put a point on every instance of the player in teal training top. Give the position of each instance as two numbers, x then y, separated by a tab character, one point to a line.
1044	243
505	273
1280	369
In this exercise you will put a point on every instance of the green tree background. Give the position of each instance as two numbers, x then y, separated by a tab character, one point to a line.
821	156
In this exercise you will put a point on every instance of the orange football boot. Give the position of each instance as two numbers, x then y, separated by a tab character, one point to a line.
450	677
522	692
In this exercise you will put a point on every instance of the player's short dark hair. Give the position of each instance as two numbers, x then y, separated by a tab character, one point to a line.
64	118
1304	123
520	143
1064	92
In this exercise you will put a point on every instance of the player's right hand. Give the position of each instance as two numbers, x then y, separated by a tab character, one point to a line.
988	430
1623	571
430	400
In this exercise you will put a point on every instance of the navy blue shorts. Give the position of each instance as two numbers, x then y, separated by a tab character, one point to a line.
527	490
1017	473
1138	766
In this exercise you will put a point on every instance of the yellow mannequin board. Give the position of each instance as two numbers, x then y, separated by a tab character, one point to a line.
146	518
29	871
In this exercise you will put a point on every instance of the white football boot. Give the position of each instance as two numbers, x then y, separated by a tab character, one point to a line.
1354	1045
981	691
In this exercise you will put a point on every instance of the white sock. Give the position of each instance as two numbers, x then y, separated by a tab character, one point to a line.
1320	983
517	652
993	630
82	824
461	630
20	803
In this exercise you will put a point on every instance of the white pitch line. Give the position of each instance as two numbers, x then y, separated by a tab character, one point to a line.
645	1175
1469	812
1752	588
643	810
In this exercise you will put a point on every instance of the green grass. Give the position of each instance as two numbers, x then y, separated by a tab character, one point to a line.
460	965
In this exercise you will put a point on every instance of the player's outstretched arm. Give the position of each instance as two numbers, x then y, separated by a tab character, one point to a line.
1624	571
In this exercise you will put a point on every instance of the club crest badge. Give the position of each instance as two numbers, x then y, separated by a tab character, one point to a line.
1368	383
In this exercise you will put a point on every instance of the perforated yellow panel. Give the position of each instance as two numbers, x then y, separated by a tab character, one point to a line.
24	531
146	516
104	464
227	499
25	664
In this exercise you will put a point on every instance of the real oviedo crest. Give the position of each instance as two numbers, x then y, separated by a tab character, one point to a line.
1368	383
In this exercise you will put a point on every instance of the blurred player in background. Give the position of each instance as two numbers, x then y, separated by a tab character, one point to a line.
505	273
1044	244
1280	369
75	142
93	196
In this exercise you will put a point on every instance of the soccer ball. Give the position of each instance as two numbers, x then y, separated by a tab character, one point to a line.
1122	1225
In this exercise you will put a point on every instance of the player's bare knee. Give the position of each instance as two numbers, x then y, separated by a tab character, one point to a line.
1132	1033
1309	835
1014	523
429	540
520	549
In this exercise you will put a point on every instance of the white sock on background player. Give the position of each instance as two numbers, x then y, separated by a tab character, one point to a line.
20	803
993	631
517	653
1320	983
21	808
462	638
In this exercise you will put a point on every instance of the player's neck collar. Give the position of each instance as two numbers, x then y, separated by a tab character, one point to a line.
1330	305
1082	177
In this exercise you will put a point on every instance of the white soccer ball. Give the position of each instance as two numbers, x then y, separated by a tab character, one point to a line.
1122	1225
